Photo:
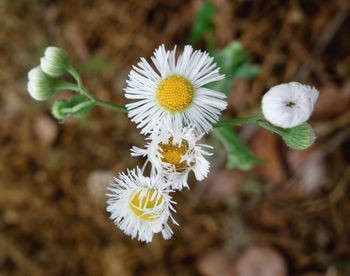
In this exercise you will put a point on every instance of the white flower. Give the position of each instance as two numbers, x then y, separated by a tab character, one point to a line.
40	85
54	62
175	160
140	206
174	96
288	105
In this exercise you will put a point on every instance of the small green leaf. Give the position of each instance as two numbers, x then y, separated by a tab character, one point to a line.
233	62
203	22
239	155
247	71
80	105
77	106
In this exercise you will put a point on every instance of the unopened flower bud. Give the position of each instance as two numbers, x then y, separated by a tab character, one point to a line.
40	85
57	107
54	62
299	137
288	105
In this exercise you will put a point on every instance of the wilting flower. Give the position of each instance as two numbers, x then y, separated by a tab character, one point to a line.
40	85
174	96
290	104
175	160
140	206
54	62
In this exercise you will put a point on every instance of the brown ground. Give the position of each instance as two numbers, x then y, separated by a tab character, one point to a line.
289	217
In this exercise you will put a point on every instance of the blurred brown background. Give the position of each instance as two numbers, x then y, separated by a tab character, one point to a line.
289	217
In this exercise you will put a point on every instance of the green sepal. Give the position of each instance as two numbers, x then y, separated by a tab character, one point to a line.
299	137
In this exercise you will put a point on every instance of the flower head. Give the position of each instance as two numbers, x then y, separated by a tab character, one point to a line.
140	206
175	160
54	62
40	85
290	104
174	96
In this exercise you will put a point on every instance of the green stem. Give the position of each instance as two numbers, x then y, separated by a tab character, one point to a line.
111	106
82	90
271	128
75	74
77	77
240	121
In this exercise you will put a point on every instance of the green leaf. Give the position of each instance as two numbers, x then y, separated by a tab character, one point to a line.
234	62
80	105
247	71
239	155
231	58
203	23
77	106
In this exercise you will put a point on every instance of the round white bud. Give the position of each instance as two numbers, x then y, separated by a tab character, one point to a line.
290	104
40	85
54	62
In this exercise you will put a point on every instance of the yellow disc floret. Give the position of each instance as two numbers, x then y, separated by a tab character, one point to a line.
172	153
142	206
175	93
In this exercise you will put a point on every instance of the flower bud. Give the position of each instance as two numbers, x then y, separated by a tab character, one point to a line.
40	85
57	107
288	105
55	62
299	137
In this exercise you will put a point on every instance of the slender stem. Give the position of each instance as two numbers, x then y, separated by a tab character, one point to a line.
68	86
255	119
239	121
75	74
271	128
77	77
71	86
111	106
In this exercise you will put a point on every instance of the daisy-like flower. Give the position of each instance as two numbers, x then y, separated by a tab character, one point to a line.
290	104
175	160
174	96
140	206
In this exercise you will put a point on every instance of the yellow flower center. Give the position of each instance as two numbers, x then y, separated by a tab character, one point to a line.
172	153
175	93
142	206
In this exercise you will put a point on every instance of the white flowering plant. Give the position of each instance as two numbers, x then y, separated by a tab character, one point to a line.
175	101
